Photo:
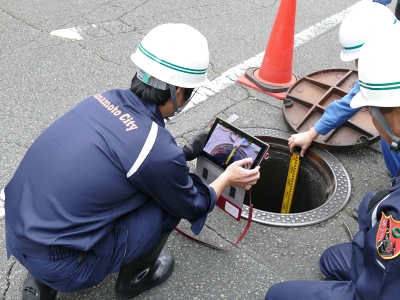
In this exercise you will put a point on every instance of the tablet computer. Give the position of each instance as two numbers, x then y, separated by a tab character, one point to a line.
225	145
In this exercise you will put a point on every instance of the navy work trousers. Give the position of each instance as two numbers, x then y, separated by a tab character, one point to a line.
133	236
335	265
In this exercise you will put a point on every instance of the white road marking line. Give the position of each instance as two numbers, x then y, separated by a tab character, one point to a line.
68	33
230	76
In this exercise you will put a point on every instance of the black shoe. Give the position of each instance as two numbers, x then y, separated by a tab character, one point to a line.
146	271
147	277
35	290
397	11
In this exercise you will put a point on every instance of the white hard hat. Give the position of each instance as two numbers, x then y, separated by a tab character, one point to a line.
176	54
359	24
379	70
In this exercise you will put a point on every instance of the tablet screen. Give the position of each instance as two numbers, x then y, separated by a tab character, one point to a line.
227	144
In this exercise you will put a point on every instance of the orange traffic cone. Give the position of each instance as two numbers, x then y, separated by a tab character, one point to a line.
275	76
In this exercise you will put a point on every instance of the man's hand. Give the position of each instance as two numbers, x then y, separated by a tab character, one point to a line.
240	176
236	175
303	140
196	145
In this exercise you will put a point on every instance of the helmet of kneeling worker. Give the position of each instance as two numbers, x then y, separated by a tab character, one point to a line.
365	19
172	54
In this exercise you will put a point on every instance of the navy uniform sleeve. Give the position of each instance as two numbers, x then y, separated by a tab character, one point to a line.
164	175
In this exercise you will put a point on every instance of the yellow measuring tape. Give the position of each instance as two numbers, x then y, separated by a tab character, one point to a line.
291	180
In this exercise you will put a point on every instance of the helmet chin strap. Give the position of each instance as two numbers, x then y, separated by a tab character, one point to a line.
395	144
172	89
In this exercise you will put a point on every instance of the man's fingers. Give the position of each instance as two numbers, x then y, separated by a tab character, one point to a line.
245	161
250	184
253	175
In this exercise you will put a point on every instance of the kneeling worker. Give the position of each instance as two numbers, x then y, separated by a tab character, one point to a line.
101	189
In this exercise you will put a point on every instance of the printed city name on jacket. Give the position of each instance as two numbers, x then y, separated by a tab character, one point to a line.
126	118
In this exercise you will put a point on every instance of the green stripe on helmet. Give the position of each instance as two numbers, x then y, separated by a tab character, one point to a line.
380	86
170	65
354	47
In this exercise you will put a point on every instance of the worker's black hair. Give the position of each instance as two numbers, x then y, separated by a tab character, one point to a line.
385	110
187	92
148	93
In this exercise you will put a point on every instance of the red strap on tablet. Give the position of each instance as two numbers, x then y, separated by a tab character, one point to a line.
249	219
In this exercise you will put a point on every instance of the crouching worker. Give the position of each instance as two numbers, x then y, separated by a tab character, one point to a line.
368	267
101	189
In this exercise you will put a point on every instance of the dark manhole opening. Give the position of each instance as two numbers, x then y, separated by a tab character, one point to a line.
322	190
313	188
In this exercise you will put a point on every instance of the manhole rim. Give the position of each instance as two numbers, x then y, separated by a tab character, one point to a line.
336	202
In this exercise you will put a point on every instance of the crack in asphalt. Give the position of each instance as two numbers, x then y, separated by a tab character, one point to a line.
8	283
16	18
139	5
14	143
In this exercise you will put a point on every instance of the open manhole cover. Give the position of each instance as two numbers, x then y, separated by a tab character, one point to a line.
322	190
307	100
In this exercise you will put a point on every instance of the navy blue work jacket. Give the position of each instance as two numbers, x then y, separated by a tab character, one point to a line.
98	162
375	266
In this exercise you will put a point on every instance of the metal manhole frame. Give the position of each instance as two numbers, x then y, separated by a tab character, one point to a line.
333	205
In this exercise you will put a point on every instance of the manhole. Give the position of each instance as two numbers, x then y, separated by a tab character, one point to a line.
322	190
307	100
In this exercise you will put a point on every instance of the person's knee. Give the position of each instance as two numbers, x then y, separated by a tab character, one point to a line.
335	262
289	290
274	292
325	257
